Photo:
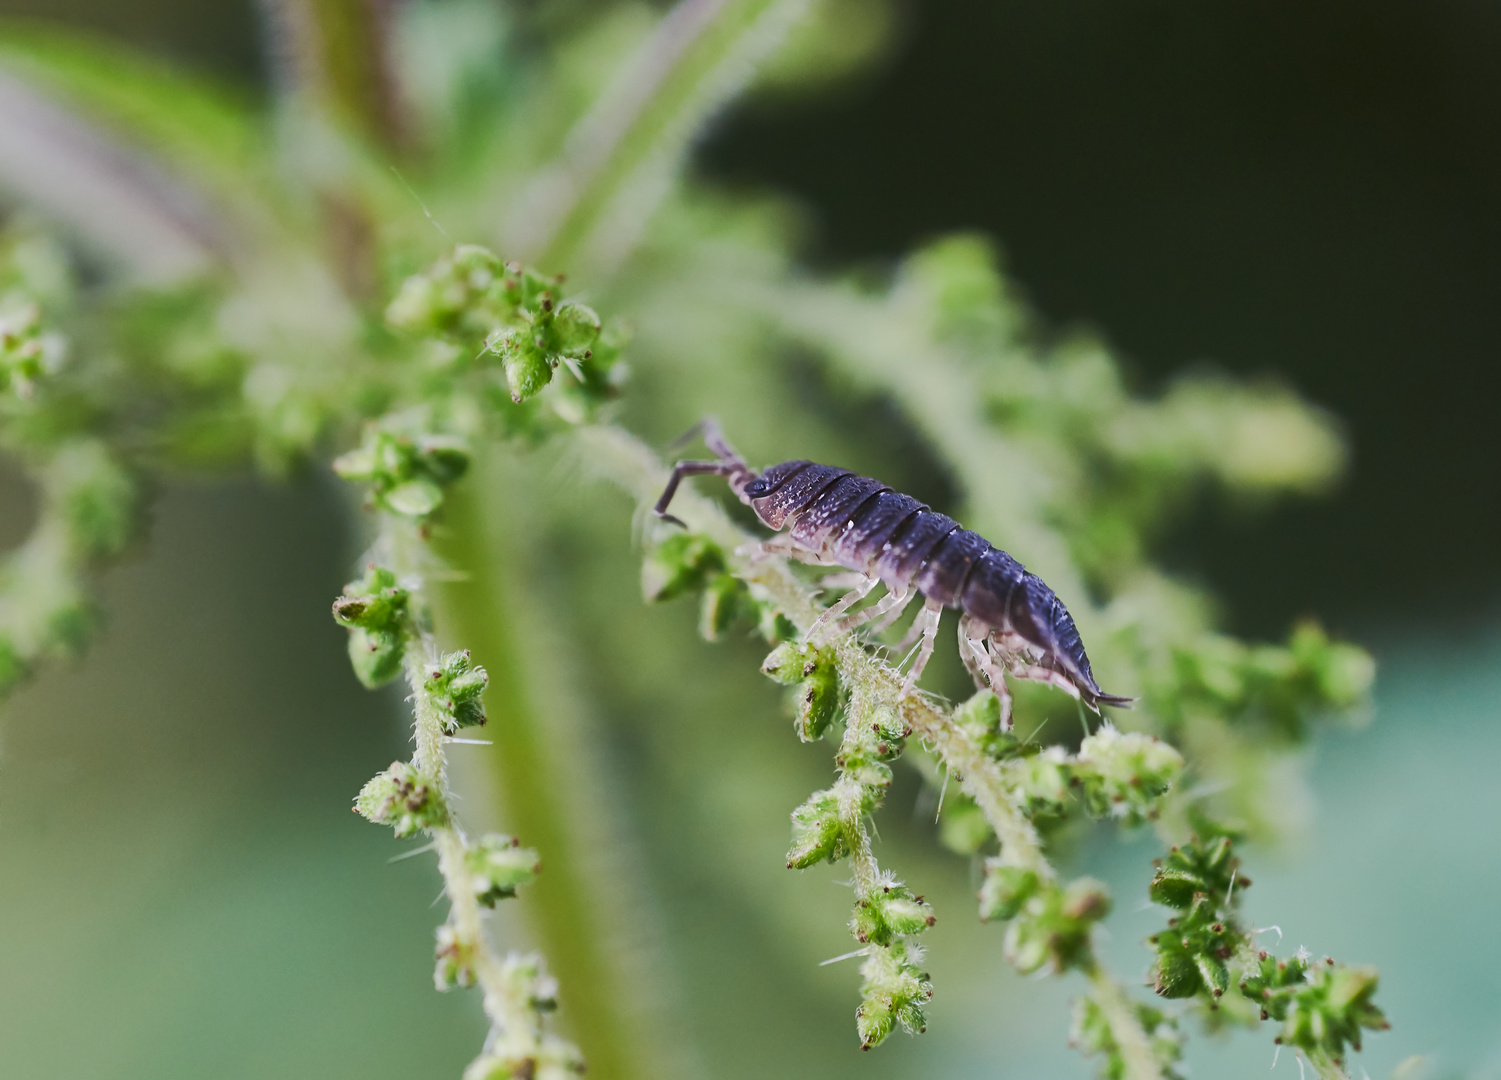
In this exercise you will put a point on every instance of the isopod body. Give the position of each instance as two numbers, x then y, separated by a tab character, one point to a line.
1010	621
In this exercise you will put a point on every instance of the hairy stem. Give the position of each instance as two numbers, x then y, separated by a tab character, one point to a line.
1135	1049
625	151
533	788
501	1004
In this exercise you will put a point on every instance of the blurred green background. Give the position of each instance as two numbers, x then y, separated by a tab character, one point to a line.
1306	190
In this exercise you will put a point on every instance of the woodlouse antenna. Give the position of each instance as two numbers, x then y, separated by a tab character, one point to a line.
729	464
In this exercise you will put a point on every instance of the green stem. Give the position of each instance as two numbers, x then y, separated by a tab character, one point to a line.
1135	1049
534	782
1326	1068
508	1013
702	54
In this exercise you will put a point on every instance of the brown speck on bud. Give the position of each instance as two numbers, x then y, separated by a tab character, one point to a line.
1329	960
931	920
1261	956
1265	1015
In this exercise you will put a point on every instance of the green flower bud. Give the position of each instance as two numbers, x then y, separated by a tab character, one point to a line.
1005	889
405	474
774	626
513	1057
456	686
683	563
575	328
402	798
527	366
1124	774
889	911
455	956
1044	780
817	678
375	609
817	832
874	1020
414	498
28	351
871	776
817	703
980	719
530	983
499	865
963	827
1176	973
375	657
1054	924
725	596
894	992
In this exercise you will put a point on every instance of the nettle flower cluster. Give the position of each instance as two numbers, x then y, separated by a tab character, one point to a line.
88	495
1011	786
406	461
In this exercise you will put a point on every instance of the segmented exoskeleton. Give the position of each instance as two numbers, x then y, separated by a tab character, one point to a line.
1010	621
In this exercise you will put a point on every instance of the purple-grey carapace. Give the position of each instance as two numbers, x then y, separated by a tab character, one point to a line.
1010	621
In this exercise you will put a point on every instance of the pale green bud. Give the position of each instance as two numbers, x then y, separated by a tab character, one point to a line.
513	1057
817	832
1124	774
455	955
402	798
499	865
456	686
889	911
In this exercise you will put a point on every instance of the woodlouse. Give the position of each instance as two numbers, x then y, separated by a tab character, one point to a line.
1010	621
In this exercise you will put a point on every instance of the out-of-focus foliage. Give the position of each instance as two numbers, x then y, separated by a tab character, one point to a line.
309	305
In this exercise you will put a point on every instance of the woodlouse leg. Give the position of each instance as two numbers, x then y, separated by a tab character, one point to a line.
1046	676
975	653
891	605
927	620
680	470
781	547
847	601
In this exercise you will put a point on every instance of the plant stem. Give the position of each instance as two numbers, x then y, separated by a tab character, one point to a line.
501	1004
701	55
534	785
1135	1049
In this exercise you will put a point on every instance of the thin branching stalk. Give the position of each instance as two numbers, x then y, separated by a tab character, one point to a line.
504	1002
623	157
621	458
